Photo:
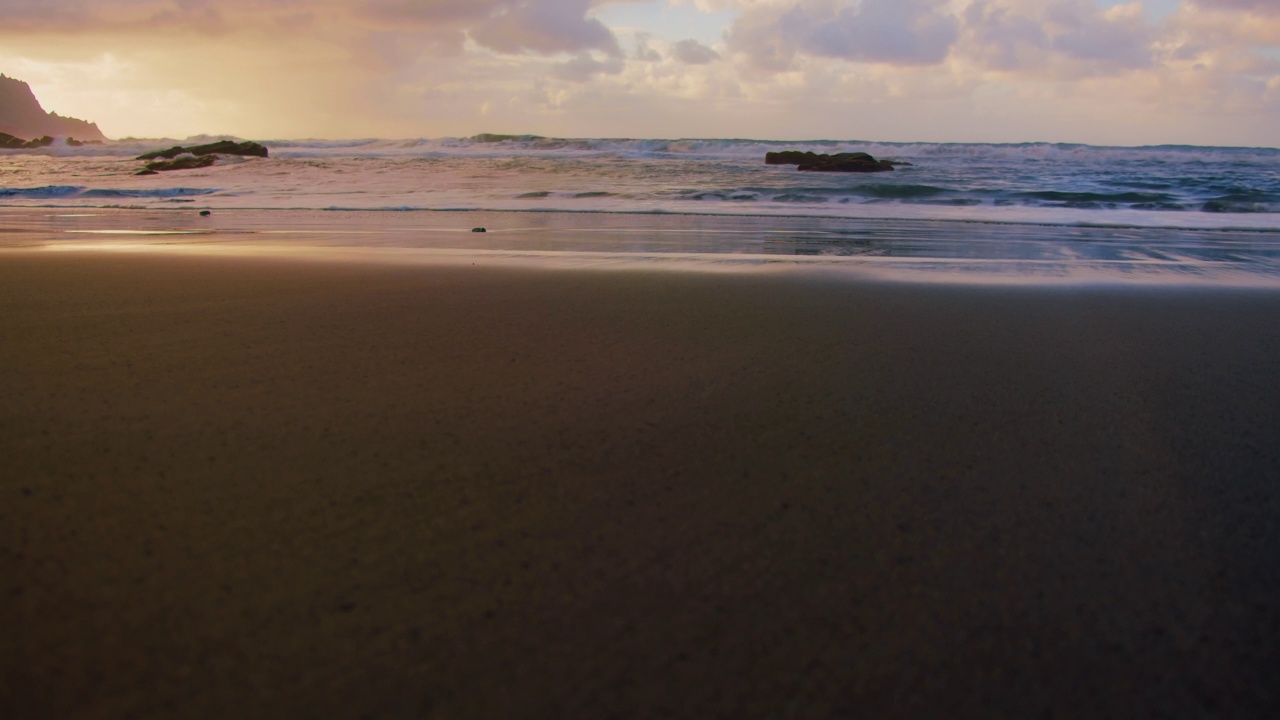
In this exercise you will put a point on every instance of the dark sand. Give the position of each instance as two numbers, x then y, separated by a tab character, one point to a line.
264	488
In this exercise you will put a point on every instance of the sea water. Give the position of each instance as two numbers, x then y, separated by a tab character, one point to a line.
1031	209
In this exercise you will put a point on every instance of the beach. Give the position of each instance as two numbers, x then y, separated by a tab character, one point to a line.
283	487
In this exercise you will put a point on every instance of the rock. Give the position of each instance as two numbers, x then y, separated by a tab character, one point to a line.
790	157
847	162
9	142
495	138
222	147
22	115
840	162
186	162
205	213
478	230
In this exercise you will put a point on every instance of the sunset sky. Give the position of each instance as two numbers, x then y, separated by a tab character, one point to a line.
1098	71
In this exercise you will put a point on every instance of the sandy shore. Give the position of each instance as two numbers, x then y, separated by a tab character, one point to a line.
264	488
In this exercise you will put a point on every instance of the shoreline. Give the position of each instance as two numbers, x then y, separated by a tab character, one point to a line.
260	487
921	251
918	271
867	213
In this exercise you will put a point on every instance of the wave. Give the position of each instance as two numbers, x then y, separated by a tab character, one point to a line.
42	193
1220	186
50	192
488	144
508	145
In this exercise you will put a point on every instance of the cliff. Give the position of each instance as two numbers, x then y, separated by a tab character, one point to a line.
21	115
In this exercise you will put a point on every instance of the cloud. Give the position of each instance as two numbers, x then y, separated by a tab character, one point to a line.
895	32
544	26
1208	24
942	69
584	67
692	52
1061	37
506	26
1259	6
643	52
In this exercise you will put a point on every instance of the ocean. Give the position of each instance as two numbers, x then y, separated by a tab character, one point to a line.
1028	210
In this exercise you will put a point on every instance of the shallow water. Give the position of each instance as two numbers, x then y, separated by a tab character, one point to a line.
1028	212
892	248
1168	186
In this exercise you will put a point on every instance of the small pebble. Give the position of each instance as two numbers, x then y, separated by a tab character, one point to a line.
478	230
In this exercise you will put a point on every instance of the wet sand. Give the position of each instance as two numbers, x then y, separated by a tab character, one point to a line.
239	487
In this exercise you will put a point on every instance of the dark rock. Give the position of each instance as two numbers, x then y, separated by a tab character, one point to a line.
847	162
205	213
21	114
186	162
9	142
790	157
840	162
495	138
222	147
478	230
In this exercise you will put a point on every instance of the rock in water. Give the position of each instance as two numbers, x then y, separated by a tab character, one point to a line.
790	157
186	162
846	162
9	142
840	162
222	147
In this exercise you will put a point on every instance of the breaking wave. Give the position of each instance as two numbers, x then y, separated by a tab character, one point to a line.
51	192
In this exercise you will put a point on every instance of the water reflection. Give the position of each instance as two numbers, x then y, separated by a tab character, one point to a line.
918	247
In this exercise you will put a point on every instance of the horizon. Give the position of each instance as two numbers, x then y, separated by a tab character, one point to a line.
205	137
1145	73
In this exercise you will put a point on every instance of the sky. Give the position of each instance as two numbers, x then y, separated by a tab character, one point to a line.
1097	71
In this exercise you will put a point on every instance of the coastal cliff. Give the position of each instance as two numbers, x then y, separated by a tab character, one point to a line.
22	116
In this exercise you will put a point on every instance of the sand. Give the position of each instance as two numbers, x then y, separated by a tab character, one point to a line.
239	487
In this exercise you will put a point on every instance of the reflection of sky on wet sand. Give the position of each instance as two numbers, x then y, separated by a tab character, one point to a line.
923	250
